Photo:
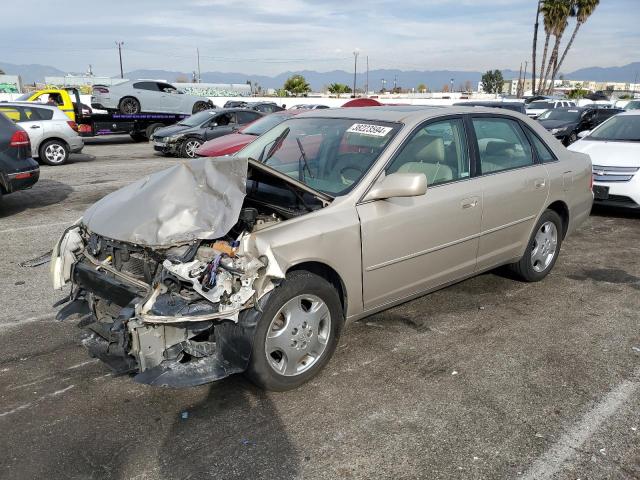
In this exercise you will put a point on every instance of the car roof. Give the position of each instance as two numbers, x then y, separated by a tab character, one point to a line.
400	113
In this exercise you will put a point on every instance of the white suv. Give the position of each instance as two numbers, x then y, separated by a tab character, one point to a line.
537	107
53	136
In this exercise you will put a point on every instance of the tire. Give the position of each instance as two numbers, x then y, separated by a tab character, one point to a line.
138	137
542	250
129	106
189	147
54	152
311	335
199	106
151	129
571	138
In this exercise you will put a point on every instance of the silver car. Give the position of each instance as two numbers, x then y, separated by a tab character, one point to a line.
254	263
148	96
52	134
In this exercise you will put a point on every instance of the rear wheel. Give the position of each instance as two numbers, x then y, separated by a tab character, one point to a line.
138	137
129	106
297	332
571	138
189	147
54	152
543	248
200	106
151	129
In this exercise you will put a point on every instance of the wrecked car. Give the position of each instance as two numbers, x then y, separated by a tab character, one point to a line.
253	263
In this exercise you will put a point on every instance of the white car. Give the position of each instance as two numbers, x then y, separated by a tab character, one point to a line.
52	134
147	96
614	148
537	107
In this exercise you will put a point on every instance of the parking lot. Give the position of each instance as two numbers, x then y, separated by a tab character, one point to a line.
490	378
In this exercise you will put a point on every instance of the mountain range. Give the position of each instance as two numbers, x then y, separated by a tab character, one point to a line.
434	79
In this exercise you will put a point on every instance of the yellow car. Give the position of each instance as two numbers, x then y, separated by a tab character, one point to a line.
66	100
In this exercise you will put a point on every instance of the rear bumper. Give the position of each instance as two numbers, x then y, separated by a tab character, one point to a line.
76	144
21	180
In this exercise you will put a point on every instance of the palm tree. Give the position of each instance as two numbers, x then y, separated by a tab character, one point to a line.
582	10
338	89
535	48
556	14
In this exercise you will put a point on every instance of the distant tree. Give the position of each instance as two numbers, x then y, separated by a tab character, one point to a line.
182	79
492	81
338	89
422	88
445	88
297	85
1	72
468	86
397	89
577	93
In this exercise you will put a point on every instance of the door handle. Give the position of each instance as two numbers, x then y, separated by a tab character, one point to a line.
34	126
470	202
540	183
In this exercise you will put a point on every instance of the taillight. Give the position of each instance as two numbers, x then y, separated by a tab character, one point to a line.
73	125
101	89
19	139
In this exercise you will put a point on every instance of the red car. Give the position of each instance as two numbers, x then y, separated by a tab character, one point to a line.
234	142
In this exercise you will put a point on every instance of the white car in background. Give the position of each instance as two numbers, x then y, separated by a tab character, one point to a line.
147	96
52	134
537	107
614	148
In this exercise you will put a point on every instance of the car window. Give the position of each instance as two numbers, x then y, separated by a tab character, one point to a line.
153	86
165	87
43	113
439	150
246	117
502	144
542	151
12	113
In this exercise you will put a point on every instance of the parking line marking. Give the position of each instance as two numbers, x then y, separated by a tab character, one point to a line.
546	466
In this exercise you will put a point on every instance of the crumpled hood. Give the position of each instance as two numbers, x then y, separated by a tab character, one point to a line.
173	130
196	199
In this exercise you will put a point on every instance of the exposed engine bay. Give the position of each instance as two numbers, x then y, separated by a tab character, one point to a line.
179	314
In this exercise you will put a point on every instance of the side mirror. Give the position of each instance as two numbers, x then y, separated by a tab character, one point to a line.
399	185
584	133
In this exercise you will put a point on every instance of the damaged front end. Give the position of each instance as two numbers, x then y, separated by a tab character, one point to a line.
179	316
172	290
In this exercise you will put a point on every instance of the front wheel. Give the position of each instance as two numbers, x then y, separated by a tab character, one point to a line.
542	250
297	332
54	152
189	147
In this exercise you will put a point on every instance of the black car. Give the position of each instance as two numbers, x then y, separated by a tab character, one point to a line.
567	122
514	106
18	170
186	136
265	107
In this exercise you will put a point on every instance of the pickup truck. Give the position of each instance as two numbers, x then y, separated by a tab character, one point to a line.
140	126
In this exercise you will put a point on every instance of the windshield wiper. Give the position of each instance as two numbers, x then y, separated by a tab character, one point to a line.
303	156
276	144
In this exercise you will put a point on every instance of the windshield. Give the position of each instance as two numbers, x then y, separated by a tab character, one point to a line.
540	105
197	119
559	114
327	154
633	105
263	124
621	128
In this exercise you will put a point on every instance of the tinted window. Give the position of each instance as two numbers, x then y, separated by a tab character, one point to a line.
541	105
571	115
246	117
502	144
439	150
153	86
542	151
165	87
625	128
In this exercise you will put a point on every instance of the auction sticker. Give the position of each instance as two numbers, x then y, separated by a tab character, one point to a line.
368	129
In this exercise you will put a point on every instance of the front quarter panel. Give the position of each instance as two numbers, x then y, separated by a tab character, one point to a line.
330	236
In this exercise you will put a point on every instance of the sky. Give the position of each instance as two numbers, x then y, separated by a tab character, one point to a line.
269	37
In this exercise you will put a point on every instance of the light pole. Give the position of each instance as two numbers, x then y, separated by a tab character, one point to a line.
356	52
120	44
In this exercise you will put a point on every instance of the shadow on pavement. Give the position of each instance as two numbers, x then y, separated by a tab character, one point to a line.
615	212
236	432
108	140
43	194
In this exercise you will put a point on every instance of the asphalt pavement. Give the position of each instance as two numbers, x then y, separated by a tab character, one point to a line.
488	379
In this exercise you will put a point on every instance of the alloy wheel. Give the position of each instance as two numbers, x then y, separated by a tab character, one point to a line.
545	245
190	148
55	153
